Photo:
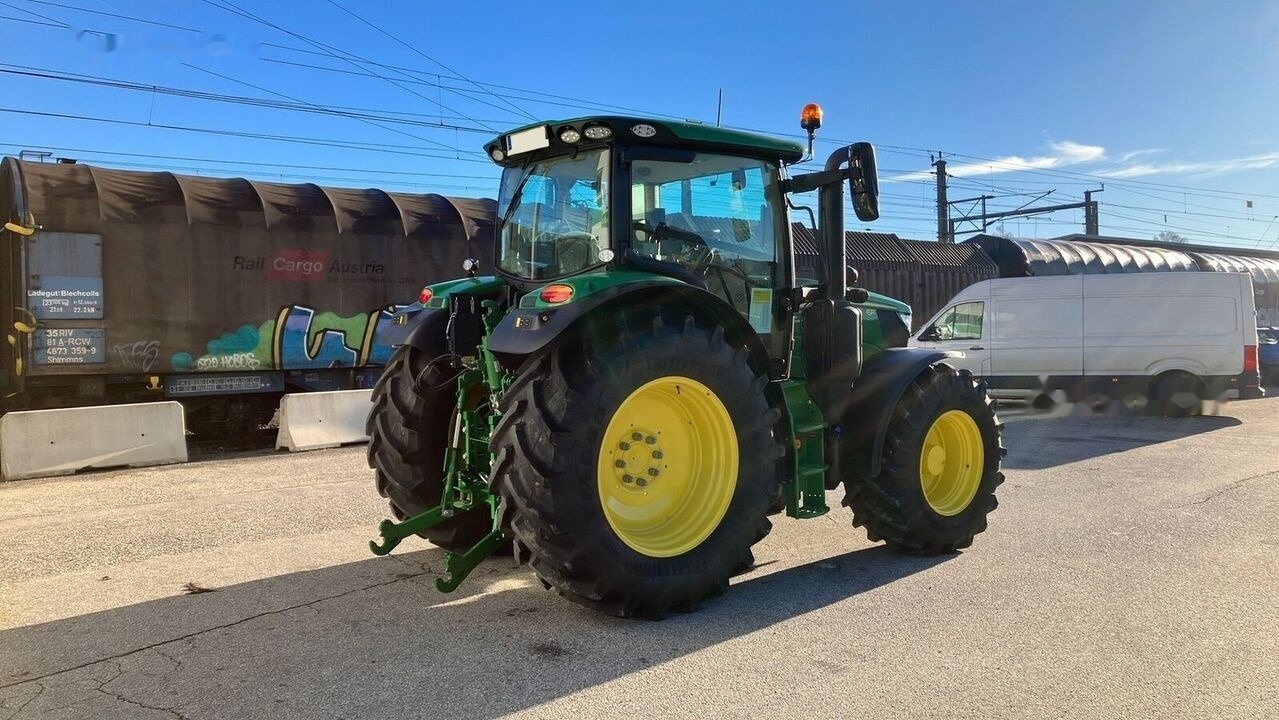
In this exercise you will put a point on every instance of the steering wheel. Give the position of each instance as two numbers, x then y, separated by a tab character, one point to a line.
572	247
696	250
576	250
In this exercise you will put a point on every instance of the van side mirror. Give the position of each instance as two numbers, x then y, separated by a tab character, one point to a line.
857	295
929	334
863	181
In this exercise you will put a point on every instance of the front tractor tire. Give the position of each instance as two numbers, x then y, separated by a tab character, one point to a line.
408	428
639	474
939	469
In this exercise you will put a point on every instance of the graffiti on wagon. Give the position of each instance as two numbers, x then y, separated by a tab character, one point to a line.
300	337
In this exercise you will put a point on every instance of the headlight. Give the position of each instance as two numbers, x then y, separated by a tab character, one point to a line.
570	136
598	132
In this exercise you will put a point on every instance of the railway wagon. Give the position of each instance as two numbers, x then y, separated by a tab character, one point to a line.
124	286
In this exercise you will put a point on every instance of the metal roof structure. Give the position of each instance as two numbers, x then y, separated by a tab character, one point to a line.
1020	257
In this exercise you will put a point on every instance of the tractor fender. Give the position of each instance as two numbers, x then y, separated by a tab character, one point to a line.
423	328
525	331
885	377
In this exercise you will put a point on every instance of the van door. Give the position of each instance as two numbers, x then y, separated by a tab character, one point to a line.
1037	343
960	329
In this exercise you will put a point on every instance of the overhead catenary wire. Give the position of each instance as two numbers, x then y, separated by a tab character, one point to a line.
1060	175
342	55
417	50
345	144
57	23
289	105
328	51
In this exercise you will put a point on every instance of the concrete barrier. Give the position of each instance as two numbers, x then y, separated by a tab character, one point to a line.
314	420
44	443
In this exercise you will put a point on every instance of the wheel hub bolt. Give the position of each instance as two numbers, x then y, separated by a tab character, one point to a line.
654	472
628	479
637	436
641	481
619	463
624	445
657	455
650	440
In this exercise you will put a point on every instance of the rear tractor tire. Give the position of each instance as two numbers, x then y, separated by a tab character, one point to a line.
939	469
638	475
408	432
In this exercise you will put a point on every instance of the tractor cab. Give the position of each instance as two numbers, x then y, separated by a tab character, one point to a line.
703	206
700	205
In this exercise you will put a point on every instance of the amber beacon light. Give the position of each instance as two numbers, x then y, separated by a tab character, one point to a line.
810	118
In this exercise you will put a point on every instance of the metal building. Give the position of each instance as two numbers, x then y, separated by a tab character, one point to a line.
923	274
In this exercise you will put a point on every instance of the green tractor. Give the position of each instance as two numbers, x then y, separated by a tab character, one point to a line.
642	381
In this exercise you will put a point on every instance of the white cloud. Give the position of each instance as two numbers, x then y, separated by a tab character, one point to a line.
1199	169
1065	152
1140	153
1071	153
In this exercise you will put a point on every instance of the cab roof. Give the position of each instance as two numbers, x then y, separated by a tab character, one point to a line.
665	132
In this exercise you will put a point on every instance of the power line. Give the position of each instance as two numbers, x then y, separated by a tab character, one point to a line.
529	95
906	150
29	21
902	150
374	123
335	110
114	15
342	55
35	14
357	16
345	144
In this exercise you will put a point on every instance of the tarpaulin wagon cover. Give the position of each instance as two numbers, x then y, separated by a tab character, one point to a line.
151	273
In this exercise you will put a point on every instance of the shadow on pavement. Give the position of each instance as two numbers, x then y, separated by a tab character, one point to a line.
372	638
1037	442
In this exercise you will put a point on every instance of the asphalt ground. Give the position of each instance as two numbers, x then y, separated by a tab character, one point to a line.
1130	571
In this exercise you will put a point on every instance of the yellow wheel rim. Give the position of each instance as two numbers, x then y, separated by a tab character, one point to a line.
951	462
667	466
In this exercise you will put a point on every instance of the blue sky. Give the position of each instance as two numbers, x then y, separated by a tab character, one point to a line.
1170	104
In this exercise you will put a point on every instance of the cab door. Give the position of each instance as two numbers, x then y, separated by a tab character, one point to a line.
961	329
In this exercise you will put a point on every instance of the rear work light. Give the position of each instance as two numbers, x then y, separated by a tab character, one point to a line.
425	296
556	294
1250	358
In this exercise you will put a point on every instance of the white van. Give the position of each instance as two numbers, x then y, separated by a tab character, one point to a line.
1170	337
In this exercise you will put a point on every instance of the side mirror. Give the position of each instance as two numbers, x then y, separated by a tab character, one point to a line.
857	295
852	275
929	334
863	181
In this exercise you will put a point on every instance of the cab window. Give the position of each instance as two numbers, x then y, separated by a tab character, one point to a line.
714	217
961	322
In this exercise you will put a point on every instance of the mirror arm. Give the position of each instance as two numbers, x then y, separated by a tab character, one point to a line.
813	181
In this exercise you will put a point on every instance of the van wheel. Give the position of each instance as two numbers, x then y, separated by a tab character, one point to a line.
1176	394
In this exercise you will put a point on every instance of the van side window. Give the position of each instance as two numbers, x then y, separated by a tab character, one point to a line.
962	322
